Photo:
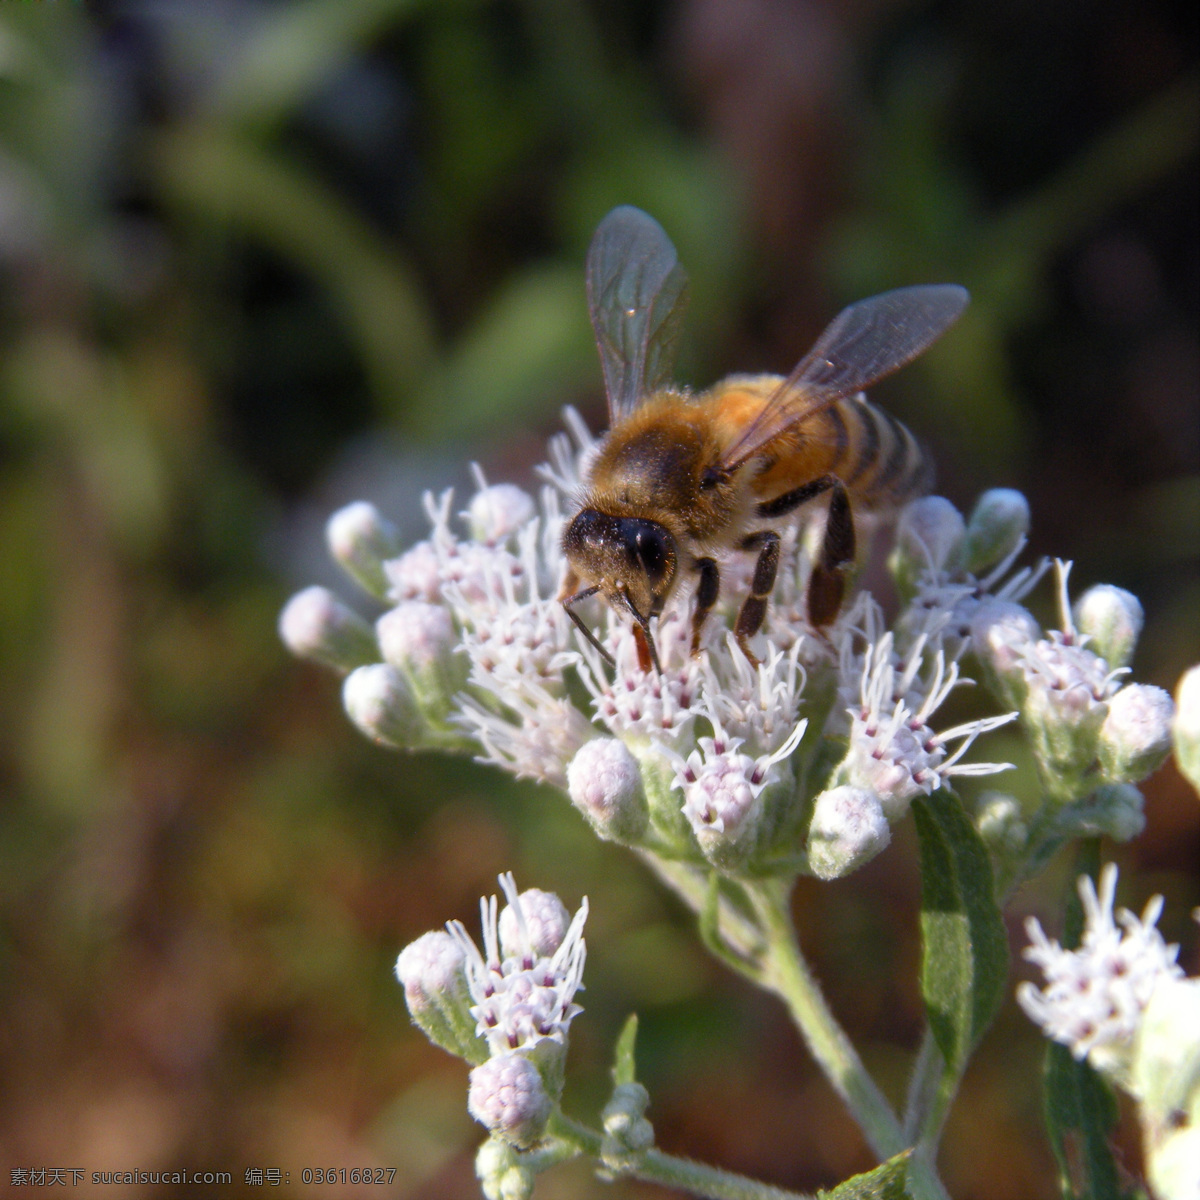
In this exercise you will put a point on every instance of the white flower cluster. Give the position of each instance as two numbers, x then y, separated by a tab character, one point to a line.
1086	727
1095	996
800	762
1122	1002
506	1008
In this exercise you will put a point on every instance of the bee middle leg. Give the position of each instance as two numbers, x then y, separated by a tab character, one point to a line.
827	583
754	607
706	596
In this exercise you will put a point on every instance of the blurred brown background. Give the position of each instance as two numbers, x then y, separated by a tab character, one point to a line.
260	259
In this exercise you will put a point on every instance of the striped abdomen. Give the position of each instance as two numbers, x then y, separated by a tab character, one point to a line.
874	455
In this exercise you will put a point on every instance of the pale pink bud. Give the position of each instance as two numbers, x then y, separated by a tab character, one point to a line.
507	1096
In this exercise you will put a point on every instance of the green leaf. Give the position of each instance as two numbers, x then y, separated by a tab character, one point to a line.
885	1182
965	947
1081	1112
624	1065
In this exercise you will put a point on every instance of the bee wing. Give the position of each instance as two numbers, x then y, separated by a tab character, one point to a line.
860	346
637	293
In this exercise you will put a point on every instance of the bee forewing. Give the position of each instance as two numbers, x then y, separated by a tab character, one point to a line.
860	346
637	293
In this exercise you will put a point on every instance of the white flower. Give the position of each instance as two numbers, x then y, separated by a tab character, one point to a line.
1061	674
1095	996
511	630
521	997
893	751
722	789
477	568
646	704
947	593
535	735
757	704
568	465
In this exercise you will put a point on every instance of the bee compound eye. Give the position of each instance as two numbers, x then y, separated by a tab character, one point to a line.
652	550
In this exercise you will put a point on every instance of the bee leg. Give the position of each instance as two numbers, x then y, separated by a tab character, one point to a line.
706	596
754	607
827	583
789	501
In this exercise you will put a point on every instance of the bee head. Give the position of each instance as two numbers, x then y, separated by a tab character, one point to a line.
631	561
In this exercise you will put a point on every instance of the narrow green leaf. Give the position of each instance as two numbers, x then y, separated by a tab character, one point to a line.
965	947
624	1065
1081	1113
885	1182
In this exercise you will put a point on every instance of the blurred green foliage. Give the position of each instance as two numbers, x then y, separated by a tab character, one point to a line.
245	246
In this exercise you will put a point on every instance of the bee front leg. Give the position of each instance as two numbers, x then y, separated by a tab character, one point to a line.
707	591
827	584
754	607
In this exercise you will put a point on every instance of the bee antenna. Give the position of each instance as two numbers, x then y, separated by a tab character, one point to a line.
587	633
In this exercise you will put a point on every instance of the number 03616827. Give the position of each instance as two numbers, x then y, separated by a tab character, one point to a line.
345	1175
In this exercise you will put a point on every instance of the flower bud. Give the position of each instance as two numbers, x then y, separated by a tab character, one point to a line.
1114	809
627	1133
497	512
1135	738
544	919
929	536
378	699
848	829
1001	634
996	527
508	1097
1112	618
1186	726
432	970
1001	825
1166	1081
605	784
501	1173
316	625
361	540
420	640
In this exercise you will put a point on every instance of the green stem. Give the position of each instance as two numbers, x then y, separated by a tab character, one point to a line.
787	975
740	935
931	1091
656	1167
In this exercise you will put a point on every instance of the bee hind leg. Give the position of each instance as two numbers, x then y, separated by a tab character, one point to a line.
706	596
754	607
827	583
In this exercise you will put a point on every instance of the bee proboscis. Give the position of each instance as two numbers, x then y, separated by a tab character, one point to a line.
680	479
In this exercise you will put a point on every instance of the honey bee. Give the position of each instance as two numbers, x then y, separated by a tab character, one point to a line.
680	479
